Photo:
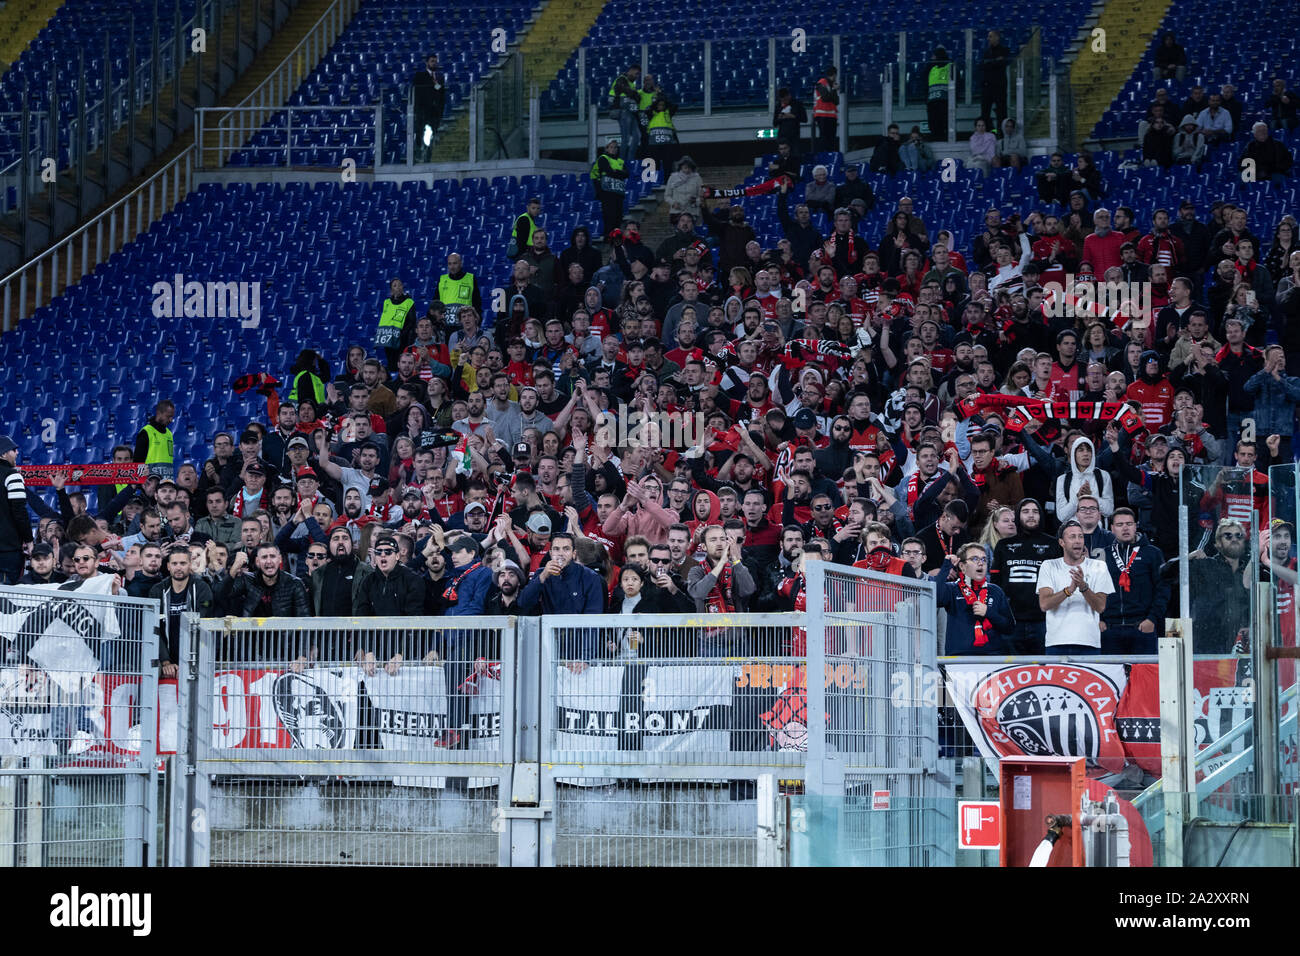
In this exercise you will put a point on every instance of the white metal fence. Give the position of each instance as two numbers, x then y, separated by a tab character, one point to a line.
565	740
78	721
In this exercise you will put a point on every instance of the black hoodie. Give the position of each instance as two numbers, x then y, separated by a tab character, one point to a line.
1016	561
585	256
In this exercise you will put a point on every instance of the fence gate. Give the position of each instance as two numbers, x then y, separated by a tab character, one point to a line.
653	753
872	724
78	727
332	741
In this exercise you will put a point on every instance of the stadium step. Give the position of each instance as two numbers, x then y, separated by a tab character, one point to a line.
20	21
558	31
1097	77
545	46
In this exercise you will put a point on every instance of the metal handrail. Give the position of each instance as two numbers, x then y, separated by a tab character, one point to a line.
1241	762
121	92
153	197
230	139
269	96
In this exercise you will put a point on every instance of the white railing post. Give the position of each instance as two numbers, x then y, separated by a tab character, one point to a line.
1020	96
473	123
843	107
887	99
902	69
771	75
410	129
708	77
582	83
952	106
1052	118
534	126
970	63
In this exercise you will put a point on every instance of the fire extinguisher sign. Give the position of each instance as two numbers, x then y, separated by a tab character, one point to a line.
977	824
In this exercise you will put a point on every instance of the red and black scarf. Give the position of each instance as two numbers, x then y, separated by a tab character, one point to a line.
914	489
721	599
1124	580
946	545
1045	411
450	593
996	470
974	597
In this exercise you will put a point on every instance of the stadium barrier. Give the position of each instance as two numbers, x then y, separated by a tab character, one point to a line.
78	722
563	740
313	745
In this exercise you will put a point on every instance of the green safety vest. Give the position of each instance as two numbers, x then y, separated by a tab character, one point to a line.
515	250
313	382
608	183
455	293
939	81
660	128
394	316
161	455
623	101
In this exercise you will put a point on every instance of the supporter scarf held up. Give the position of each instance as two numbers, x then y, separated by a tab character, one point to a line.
974	597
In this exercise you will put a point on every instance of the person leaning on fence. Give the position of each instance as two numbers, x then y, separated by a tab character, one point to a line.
980	620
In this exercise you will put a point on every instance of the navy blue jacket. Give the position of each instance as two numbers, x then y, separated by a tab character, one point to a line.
1147	597
471	593
577	590
960	638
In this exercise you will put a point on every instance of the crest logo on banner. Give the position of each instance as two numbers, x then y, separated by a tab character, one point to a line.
314	720
1041	709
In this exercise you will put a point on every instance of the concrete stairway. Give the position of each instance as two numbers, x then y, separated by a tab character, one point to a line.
547	43
20	21
1098	77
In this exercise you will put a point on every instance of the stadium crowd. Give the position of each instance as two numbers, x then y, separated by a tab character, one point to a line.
886	402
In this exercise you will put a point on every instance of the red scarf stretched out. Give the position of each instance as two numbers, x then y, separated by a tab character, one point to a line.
973	598
1043	411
